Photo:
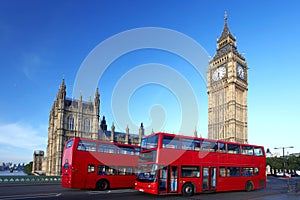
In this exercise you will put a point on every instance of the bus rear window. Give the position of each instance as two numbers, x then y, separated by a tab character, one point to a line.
69	144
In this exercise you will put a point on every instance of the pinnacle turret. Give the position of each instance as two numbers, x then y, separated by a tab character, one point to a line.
62	90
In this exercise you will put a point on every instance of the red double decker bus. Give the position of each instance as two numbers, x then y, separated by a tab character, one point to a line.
96	164
176	164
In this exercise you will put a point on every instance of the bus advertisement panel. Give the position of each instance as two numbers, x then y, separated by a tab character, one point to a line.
101	165
176	164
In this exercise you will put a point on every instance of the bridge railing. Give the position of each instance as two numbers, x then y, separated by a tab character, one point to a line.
29	179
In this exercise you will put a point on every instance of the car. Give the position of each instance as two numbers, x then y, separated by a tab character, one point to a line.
294	174
282	174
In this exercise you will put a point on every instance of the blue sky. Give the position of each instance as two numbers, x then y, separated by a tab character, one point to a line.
43	41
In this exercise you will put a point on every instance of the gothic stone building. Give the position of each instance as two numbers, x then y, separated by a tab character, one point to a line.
76	118
227	86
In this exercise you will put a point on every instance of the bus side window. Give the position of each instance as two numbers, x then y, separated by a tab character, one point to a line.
112	171
91	168
126	150
101	170
247	171
105	170
256	171
247	150
190	171
106	148
209	146
196	145
171	142
233	171
189	144
125	171
86	146
222	172
186	144
233	148
258	151
222	147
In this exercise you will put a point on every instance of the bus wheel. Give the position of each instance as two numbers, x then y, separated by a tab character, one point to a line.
102	185
187	190
249	186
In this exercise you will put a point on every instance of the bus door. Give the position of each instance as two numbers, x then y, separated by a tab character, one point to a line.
209	178
168	178
173	179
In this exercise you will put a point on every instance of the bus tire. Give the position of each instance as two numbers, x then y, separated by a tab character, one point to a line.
249	186
102	185
187	190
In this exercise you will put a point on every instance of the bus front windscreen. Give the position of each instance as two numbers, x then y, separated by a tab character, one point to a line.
147	173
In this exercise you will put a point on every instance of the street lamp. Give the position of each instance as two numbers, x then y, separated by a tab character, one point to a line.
283	156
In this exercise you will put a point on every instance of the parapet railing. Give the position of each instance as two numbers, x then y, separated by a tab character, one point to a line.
29	179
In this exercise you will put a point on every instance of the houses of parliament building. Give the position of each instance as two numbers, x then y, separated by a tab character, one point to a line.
227	86
76	118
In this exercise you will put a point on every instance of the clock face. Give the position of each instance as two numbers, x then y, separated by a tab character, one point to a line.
241	72
219	73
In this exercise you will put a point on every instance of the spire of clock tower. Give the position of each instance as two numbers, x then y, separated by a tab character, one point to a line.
226	32
226	42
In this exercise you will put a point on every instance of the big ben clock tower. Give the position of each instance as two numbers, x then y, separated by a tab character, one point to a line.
227	88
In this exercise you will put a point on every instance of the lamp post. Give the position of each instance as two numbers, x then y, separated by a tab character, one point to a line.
283	156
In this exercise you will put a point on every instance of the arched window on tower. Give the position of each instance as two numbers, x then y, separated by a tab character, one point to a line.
86	125
70	123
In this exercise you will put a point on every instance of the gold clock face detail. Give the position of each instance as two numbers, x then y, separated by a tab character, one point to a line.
218	73
241	72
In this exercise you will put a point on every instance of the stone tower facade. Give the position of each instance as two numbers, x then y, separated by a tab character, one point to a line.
37	163
77	118
227	86
69	118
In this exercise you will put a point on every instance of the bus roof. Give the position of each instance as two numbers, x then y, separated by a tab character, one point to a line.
198	138
104	142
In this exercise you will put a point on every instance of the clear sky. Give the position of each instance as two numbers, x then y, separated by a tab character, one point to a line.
43	41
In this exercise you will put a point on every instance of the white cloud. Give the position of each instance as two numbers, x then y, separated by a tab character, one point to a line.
15	155
23	136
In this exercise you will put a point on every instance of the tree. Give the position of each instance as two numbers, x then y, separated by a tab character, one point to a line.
291	163
28	168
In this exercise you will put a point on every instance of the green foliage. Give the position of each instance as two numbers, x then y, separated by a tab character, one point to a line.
287	163
28	168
